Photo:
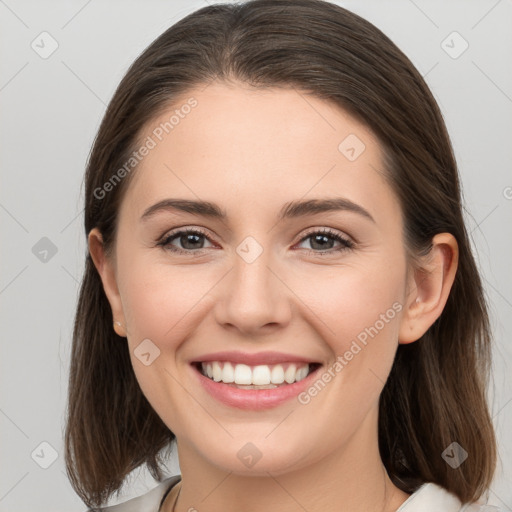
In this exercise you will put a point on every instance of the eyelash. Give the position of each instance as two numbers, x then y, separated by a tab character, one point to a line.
165	242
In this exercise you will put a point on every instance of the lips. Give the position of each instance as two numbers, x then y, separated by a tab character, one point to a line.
254	359
254	381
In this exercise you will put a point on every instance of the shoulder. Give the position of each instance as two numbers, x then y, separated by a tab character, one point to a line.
431	496
149	502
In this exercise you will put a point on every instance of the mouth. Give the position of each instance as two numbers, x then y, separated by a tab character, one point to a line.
255	388
255	377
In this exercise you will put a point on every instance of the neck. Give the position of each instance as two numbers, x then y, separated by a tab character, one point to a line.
350	478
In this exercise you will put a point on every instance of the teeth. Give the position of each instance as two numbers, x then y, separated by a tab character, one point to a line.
228	373
243	374
302	373
277	375
289	374
261	375
217	372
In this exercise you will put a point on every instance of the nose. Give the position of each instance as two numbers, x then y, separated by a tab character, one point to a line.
254	299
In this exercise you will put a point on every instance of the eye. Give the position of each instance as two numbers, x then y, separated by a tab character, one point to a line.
191	241
324	239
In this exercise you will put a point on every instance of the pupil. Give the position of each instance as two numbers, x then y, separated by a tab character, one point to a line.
189	239
320	238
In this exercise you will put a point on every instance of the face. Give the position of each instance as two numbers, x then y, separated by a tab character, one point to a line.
271	284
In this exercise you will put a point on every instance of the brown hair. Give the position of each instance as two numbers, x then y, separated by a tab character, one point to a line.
436	392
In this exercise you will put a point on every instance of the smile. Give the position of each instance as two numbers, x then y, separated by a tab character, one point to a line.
255	377
254	386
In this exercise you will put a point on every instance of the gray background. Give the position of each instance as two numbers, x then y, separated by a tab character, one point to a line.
50	111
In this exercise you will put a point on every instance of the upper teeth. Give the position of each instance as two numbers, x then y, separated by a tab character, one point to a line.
260	375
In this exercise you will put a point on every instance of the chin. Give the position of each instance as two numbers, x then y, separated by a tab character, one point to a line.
259	458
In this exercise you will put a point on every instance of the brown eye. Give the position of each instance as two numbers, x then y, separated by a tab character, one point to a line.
322	241
191	241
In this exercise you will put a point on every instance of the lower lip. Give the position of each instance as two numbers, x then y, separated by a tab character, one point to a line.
253	399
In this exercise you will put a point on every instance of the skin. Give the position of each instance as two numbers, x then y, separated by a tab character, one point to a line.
250	152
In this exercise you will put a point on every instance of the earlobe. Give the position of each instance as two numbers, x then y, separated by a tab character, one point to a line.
430	288
119	328
105	267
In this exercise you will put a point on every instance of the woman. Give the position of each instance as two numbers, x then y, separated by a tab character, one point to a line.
279	280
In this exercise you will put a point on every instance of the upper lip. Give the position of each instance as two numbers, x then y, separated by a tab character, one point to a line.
253	359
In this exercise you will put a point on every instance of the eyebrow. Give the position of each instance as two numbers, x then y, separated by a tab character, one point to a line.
293	209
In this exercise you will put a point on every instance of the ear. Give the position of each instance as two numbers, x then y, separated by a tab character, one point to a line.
106	269
429	288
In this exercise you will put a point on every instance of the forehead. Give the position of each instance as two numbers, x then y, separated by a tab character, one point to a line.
260	146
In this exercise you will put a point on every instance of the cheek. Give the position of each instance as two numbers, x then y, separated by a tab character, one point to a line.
354	302
164	304
161	302
357	312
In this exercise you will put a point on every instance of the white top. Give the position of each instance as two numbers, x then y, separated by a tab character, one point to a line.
428	498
